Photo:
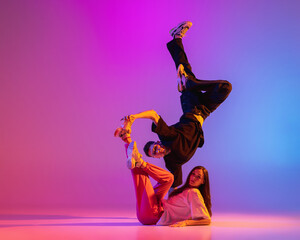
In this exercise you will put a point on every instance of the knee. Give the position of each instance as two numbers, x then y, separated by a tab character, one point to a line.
168	180
148	220
226	86
171	179
170	44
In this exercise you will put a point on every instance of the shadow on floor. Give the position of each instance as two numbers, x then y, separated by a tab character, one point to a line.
40	217
106	224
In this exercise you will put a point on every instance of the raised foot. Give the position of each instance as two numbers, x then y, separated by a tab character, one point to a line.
180	30
124	130
133	156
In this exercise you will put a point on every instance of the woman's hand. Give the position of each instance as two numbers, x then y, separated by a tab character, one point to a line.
179	224
192	222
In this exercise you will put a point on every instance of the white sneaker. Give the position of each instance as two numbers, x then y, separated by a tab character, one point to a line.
134	157
181	29
125	130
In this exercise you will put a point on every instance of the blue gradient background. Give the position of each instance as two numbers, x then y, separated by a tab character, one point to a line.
69	70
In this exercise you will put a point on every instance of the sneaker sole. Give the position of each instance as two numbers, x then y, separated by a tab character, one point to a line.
180	26
130	163
130	160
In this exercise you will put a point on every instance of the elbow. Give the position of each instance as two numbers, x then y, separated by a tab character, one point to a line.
154	112
155	116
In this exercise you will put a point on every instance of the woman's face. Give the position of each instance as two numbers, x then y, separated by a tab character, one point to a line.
196	178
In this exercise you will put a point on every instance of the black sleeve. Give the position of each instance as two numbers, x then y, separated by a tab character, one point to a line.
176	170
163	130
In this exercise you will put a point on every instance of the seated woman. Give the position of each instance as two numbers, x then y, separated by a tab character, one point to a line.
188	205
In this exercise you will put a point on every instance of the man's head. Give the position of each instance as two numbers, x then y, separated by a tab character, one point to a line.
155	149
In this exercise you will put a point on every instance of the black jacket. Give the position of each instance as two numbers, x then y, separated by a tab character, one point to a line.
183	138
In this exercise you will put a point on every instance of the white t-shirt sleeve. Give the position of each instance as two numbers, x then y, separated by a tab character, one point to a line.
197	205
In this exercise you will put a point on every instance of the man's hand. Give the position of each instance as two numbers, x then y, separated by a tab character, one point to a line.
128	121
129	118
125	130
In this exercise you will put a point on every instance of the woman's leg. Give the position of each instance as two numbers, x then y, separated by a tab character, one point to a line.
149	198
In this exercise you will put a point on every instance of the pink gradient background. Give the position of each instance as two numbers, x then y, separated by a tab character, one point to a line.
69	70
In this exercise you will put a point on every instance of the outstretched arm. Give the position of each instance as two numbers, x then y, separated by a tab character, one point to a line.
149	114
125	130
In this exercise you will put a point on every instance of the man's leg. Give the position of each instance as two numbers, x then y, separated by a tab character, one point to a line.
188	100
149	198
204	97
177	52
215	93
213	87
193	99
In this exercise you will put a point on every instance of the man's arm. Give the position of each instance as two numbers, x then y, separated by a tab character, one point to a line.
125	130
149	114
158	126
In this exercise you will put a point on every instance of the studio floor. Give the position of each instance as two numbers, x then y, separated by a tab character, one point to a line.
62	224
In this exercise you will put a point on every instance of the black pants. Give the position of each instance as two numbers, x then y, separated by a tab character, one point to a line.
200	96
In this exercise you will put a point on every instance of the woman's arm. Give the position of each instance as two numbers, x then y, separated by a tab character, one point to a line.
199	211
191	222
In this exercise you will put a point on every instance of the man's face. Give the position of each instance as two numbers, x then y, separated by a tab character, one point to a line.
157	150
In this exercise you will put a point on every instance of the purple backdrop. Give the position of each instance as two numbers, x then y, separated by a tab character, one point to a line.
69	70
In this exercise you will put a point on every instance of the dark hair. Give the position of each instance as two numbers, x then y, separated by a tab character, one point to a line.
203	188
147	146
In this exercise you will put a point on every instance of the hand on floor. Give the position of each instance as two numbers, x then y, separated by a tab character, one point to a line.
179	224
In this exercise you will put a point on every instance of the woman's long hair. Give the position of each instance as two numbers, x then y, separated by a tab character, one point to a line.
203	188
